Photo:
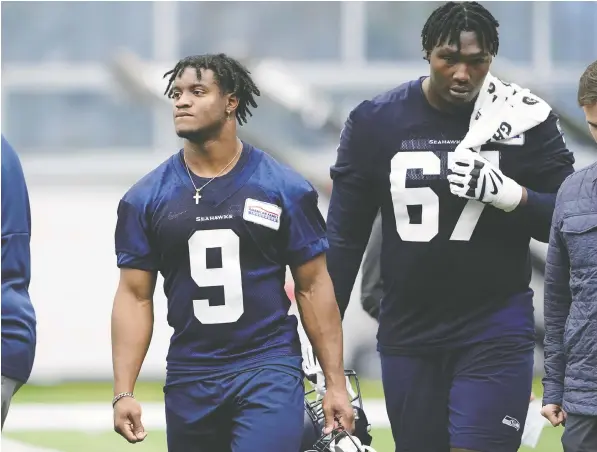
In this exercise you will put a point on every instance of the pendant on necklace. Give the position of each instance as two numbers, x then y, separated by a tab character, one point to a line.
197	197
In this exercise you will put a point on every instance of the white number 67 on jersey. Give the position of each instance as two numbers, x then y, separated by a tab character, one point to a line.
425	197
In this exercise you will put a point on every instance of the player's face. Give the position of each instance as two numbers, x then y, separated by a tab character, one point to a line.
457	76
199	106
591	115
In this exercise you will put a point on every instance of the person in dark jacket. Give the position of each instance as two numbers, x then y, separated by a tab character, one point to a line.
18	315
570	381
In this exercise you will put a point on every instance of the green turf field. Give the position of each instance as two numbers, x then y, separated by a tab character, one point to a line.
108	441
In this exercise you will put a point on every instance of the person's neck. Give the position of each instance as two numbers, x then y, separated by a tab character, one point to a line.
207	159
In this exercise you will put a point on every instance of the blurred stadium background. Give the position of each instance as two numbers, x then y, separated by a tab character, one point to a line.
82	103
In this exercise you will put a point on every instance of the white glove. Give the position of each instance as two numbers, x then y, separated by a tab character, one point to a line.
533	427
346	445
314	373
474	177
313	370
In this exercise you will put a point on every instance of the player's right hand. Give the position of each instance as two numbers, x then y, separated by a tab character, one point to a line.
554	414
127	420
337	410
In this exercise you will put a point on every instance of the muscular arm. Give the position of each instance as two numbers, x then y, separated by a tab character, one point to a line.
132	326
320	316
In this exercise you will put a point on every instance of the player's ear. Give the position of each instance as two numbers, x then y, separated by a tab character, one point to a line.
231	103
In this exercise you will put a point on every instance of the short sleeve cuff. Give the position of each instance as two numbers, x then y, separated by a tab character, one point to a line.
307	253
125	260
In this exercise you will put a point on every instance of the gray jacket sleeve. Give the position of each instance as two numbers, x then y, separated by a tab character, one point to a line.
556	309
371	285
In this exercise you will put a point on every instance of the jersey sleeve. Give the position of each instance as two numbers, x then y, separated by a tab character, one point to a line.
353	205
548	161
16	231
304	230
547	164
132	239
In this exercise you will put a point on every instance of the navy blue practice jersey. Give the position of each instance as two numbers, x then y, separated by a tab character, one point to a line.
451	267
19	335
224	258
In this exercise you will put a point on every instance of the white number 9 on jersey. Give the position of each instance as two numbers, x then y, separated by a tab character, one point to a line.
227	276
425	197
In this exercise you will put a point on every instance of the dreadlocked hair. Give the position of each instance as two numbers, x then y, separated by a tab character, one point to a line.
449	20
230	75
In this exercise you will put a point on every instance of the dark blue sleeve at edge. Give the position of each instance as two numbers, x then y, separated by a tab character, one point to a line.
548	164
536	214
353	205
304	231
18	315
132	239
16	223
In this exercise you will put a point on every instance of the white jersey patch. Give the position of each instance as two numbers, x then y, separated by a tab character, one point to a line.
262	213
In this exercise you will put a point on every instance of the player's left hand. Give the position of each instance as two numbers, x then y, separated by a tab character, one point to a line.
338	410
473	177
127	420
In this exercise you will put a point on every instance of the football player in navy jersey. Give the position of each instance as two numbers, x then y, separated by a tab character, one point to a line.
456	326
221	220
19	335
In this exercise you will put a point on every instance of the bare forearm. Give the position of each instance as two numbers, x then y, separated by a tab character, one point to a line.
321	318
132	328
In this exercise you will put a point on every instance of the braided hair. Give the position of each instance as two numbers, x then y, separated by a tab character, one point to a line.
230	75
449	20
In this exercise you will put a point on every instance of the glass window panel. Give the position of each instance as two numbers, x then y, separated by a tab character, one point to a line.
574	32
77	120
289	30
74	31
516	19
394	29
564	100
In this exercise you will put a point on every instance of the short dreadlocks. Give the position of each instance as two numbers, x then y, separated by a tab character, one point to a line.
230	75
449	20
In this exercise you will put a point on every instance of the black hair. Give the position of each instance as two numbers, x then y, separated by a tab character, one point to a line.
449	20
230	75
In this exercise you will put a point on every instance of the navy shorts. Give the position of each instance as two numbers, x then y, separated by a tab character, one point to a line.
475	398
255	410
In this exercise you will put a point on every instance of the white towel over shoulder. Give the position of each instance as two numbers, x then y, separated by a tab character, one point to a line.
502	111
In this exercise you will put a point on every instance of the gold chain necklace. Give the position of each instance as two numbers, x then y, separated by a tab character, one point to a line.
197	195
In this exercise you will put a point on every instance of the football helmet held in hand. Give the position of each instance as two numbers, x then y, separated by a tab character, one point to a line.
339	440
